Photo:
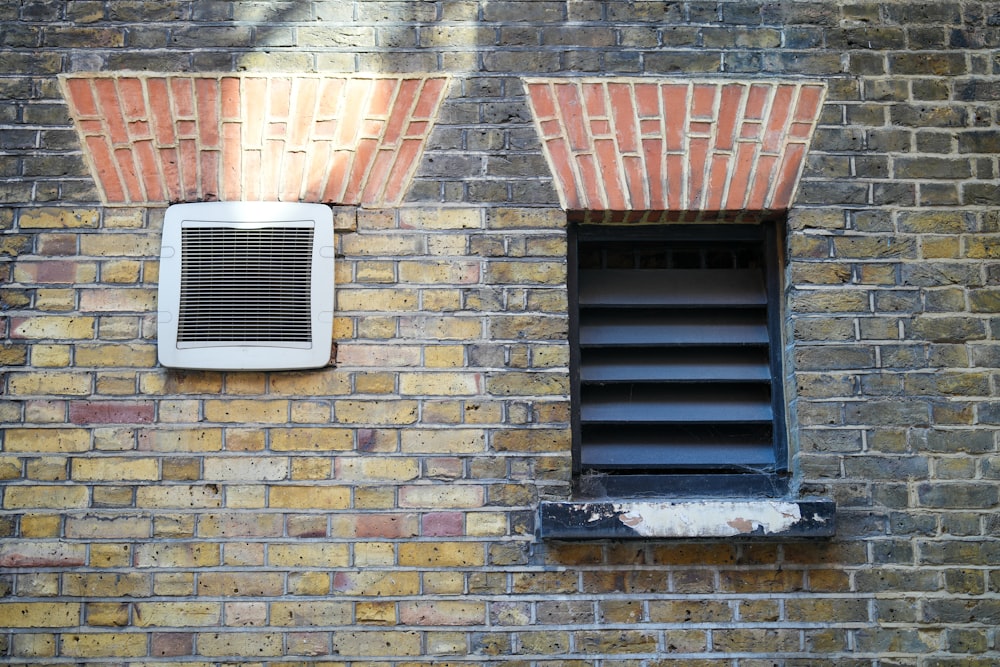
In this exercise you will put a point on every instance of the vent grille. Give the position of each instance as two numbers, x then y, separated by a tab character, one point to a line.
247	286
674	366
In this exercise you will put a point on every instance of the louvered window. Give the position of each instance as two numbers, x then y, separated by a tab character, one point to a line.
676	359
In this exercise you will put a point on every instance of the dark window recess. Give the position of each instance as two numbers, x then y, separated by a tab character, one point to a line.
676	360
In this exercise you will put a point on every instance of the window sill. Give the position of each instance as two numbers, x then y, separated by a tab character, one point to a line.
688	519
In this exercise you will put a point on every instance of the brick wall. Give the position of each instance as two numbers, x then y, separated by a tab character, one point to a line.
382	511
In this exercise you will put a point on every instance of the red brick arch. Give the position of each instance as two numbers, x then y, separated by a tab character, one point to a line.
162	138
704	147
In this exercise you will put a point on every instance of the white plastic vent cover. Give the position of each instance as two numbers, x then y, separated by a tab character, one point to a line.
246	286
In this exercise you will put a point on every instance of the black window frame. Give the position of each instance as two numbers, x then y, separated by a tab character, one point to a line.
771	480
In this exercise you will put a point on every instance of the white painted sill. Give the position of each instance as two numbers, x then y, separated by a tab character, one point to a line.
755	518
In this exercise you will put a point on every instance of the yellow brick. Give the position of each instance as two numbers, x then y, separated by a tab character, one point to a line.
131	355
392	244
454	272
479	412
174	583
125	218
311	412
108	469
114	439
247	411
441	496
39	614
107	554
50	356
377	300
48	384
245	468
34	645
243	584
312	439
179	411
177	614
375	498
324	382
376	583
944	247
376	643
58	218
179	382
120	245
309	612
250	644
442	612
375	613
440	384
310	497
246	496
443	441
246	383
104	645
443	583
486	524
441	328
374	272
112	614
441	554
176	555
112	584
442	412
40	525
180	440
245	614
181	497
121	300
47	440
45	497
55	300
440	218
47	469
309	583
448	244
377	469
444	356
532	440
121	271
376	412
374	554
374	383
114	526
310	468
308	555
526	272
525	218
115	384
38	584
243	554
377	328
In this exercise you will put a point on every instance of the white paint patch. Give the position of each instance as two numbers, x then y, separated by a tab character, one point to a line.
709	518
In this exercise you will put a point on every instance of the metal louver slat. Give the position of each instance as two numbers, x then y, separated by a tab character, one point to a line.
691	288
600	327
696	364
675	404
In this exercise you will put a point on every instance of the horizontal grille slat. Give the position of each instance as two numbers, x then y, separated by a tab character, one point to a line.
672	327
745	364
675	404
246	285
691	288
683	447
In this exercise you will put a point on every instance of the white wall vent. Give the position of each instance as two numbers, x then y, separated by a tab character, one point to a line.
246	286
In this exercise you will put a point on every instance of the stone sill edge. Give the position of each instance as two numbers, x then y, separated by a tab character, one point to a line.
757	518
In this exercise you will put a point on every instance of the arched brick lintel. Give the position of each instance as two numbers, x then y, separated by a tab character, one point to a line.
700	147
163	138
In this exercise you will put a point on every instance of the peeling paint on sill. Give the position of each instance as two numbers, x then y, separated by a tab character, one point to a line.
688	519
